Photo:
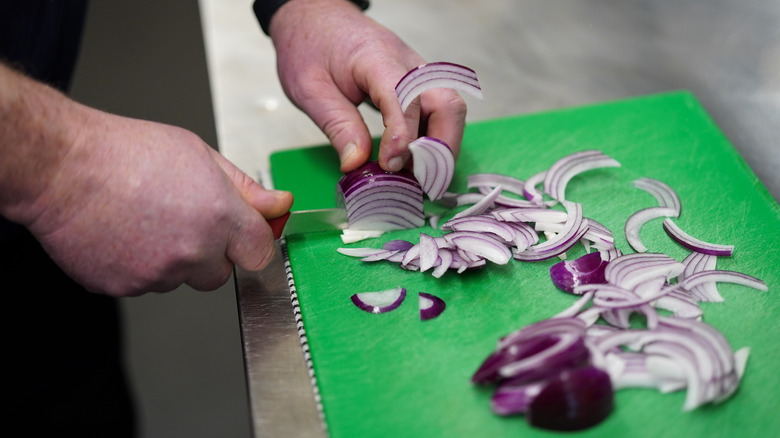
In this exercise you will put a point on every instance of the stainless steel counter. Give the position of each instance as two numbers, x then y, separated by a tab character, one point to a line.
530	56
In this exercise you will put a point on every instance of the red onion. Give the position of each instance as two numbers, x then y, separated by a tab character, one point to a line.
563	170
436	75
380	301
431	306
433	165
587	269
575	399
376	199
693	244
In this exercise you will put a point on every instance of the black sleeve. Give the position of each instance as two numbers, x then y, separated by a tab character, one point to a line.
265	9
41	37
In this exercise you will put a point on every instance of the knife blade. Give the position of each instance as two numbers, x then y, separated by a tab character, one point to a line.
314	221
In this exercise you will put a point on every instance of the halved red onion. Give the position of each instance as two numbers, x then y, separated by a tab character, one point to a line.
380	301
431	306
433	164
563	170
376	199
694	244
436	75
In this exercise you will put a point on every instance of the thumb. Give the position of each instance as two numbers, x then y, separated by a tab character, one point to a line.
269	203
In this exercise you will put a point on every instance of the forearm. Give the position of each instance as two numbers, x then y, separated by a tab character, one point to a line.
34	138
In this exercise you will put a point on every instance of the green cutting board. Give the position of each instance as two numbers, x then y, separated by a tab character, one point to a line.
392	375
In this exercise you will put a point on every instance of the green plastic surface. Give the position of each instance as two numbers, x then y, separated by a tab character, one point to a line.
392	375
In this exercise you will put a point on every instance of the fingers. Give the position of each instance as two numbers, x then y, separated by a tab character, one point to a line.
341	121
445	111
269	203
251	241
440	112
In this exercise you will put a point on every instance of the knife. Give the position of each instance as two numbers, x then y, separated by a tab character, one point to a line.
309	221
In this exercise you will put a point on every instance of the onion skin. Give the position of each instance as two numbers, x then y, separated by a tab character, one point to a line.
587	269
574	400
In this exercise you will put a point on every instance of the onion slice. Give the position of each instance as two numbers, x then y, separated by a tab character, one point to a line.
433	164
380	301
436	75
687	241
563	170
431	306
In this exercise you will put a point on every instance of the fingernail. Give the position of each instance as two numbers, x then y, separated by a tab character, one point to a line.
348	151
395	164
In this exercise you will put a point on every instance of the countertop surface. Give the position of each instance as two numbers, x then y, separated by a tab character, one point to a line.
530	56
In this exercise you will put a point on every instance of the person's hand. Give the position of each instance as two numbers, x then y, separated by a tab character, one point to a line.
330	57
137	206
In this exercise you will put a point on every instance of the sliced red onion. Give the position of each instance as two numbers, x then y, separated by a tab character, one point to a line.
587	269
429	252
722	276
664	194
431	306
380	301
379	200
482	224
486	182
512	398
575	399
530	191
575	228
563	170
436	75
637	220
687	241
433	165
698	262
629	270
533	214
481	245
481	206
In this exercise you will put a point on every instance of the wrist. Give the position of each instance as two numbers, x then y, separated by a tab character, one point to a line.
35	138
265	10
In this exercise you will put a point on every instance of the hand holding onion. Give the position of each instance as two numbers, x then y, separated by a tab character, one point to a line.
331	57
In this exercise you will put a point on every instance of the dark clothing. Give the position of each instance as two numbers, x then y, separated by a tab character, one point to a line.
65	358
265	9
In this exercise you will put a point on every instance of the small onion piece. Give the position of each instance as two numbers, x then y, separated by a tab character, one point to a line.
380	301
687	241
431	306
563	170
436	75
433	164
588	269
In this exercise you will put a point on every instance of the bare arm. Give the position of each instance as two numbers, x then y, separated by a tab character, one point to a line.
126	206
